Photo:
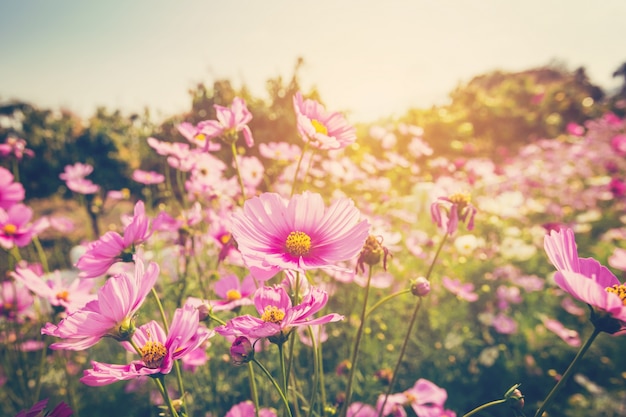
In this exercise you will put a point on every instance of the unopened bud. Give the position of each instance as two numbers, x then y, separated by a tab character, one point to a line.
420	287
241	351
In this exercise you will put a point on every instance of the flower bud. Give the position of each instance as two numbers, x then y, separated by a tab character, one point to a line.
420	287
241	351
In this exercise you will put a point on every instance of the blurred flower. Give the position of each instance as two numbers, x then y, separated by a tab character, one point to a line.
569	336
246	409
322	129
158	350
112	247
15	301
147	177
230	121
299	234
241	350
426	398
463	291
504	324
575	129
277	315
393	405
446	212
15	229
38	410
10	192
358	409
70	294
617	259
506	295
588	281
83	186
111	314
16	147
191	133
252	171
618	143
77	171
279	151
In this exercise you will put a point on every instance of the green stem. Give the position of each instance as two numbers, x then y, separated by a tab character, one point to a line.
405	343
384	300
357	343
253	390
484	406
273	381
41	253
166	396
432	264
568	373
283	370
243	188
316	371
295	175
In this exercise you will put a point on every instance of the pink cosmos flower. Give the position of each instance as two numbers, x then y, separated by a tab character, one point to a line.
38	410
78	171
83	186
232	293
69	294
16	147
446	212
230	120
277	315
426	398
246	409
10	192
504	324
112	247
252	171
300	234
15	301
190	132
158	349
588	281
147	177
463	291
279	151
358	409
323	129
618	259
111	314
15	229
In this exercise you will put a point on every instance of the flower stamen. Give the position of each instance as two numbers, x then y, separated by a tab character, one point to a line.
273	314
232	295
63	295
153	353
10	229
319	127
619	290
298	243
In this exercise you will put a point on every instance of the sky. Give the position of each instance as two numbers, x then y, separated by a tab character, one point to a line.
370	59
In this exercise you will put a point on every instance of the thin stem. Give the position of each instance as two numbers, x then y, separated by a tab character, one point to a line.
166	396
295	175
357	343
384	300
405	343
316	370
243	188
568	373
253	390
283	370
41	253
484	406
432	264
273	381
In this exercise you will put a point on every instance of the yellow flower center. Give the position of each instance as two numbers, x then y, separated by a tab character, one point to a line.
225	238
63	295
298	243
620	290
272	314
10	229
232	295
153	353
462	199
200	137
319	127
410	398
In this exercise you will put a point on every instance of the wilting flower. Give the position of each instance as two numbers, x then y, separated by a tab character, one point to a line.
15	229
246	409
10	192
299	234
588	281
158	350
59	291
372	253
446	212
230	121
147	177
112	247
278	317
38	410
323	129
111	314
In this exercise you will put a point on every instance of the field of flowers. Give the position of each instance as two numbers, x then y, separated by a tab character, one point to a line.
349	275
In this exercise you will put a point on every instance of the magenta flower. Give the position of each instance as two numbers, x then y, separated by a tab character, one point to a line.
322	129
426	398
586	279
59	291
111	314
446	212
232	293
358	409
16	147
83	186
300	234
190	132
78	171
147	177
158	350
277	315
15	229
230	121
246	409
112	247
569	336
10	192
15	301
38	410
461	290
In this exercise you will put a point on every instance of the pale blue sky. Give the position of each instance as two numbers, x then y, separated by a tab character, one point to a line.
370	58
